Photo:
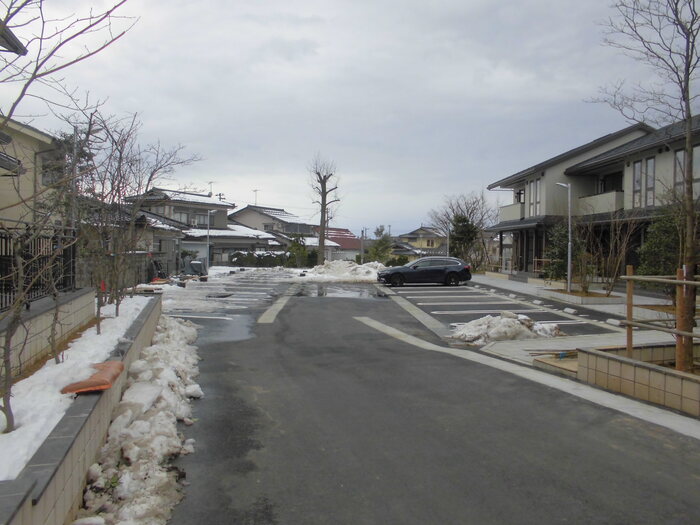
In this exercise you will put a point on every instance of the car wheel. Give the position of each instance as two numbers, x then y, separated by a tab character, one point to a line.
452	279
396	280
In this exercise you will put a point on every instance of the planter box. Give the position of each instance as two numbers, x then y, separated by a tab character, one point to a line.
578	299
49	490
641	379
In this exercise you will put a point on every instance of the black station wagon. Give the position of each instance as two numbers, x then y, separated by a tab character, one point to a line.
449	271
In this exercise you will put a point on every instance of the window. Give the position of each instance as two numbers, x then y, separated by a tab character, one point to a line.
679	170
531	199
649	167
430	243
268	227
180	216
637	184
519	196
538	195
202	220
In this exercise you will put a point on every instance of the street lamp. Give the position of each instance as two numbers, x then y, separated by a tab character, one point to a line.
568	255
209	212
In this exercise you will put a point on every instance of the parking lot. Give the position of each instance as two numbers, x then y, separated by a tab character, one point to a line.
461	304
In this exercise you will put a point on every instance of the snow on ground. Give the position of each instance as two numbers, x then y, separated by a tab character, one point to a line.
37	402
133	482
342	271
507	326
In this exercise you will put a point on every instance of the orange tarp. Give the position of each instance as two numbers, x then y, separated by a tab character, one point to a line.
107	373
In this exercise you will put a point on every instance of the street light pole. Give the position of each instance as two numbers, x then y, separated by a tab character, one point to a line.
568	255
209	212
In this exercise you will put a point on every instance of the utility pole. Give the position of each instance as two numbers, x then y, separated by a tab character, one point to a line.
362	245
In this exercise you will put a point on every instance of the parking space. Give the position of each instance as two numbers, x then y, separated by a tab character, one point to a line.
461	304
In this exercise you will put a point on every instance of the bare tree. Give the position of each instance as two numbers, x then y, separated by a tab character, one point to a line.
476	209
663	35
48	41
120	173
324	183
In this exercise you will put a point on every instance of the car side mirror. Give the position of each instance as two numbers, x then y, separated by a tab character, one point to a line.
414	267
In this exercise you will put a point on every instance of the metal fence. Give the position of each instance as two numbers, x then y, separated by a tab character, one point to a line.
48	260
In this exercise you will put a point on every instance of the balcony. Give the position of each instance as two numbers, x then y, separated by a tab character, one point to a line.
602	203
512	212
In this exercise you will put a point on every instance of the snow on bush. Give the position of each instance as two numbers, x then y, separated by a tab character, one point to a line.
133	482
344	271
507	326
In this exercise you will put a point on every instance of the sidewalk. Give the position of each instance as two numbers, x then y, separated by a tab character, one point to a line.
519	351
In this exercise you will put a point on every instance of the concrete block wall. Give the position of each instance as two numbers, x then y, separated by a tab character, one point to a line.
49	490
642	380
31	341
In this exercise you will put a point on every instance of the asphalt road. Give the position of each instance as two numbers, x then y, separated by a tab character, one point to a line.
319	419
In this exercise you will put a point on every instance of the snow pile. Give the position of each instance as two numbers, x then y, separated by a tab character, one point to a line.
507	326
132	482
37	401
343	271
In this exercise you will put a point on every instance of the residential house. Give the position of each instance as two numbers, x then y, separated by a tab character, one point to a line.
28	160
196	210
348	244
224	242
539	200
423	241
273	220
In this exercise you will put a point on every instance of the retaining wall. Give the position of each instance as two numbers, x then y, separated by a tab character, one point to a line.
49	490
76	309
636	378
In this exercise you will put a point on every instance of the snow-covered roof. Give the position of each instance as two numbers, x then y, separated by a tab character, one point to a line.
244	231
186	196
277	213
313	241
233	230
155	223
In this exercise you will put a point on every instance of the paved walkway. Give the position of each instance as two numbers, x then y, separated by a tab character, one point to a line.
519	351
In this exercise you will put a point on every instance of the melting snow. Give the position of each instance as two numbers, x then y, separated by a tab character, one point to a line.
343	271
133	482
507	326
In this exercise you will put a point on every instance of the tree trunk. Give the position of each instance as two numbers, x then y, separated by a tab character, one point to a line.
684	345
322	225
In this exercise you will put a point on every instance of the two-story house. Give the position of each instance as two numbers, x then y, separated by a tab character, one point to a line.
200	213
539	200
421	241
26	156
274	220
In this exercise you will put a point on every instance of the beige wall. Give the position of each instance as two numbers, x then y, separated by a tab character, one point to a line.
553	198
663	173
26	146
255	220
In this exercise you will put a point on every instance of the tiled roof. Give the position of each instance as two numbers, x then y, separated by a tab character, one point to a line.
569	154
185	196
660	137
277	213
344	238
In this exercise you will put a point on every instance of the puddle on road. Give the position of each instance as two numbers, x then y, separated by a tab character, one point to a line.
338	291
237	328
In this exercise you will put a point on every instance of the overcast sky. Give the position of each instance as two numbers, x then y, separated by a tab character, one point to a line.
412	100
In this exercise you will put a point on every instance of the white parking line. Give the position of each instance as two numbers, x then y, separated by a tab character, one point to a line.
202	317
683	425
436	297
462	303
462	312
270	314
